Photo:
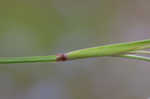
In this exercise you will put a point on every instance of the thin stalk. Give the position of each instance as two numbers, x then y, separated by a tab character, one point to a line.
130	56
140	52
107	50
32	59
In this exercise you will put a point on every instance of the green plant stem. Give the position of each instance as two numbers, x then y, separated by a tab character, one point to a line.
32	59
121	50
109	50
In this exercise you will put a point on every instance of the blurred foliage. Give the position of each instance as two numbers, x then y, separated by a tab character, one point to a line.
39	17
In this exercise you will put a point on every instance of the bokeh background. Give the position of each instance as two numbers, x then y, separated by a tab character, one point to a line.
45	27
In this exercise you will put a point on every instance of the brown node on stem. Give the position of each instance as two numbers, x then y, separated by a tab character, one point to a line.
61	57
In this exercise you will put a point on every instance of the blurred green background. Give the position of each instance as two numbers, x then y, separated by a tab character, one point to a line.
45	27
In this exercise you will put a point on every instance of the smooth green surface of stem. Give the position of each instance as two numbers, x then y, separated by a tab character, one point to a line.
109	50
118	50
32	59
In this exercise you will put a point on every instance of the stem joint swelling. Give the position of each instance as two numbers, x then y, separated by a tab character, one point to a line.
123	50
61	57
